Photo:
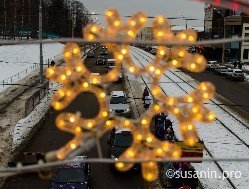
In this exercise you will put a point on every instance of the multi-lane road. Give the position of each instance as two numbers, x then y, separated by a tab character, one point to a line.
48	138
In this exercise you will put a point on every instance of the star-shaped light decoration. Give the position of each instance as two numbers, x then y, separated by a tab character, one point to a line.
76	78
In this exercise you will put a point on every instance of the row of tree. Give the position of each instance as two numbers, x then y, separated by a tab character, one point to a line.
61	18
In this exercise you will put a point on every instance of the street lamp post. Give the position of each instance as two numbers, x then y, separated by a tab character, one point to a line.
40	39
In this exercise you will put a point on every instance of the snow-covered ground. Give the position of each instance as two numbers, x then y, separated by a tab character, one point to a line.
225	137
16	61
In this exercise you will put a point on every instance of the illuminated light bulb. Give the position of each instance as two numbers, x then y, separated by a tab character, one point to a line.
130	153
131	69
117	23
171	101
57	106
61	92
174	62
108	123
131	33
155	90
183	36
67	54
78	129
144	121
193	66
124	51
195	109
166	146
150	171
127	123
205	95
190	99
158	71
156	107
68	93
108	13
50	71
159	151
211	116
60	123
181	53
176	110
149	139
152	68
160	20
102	95
139	137
132	22
75	50
191	141
90	36
63	77
73	146
60	156
79	68
142	19
199	116
68	73
190	127
71	119
162	52
89	124
95	80
203	87
176	153
120	57
105	114
94	29
85	84
159	33
191	38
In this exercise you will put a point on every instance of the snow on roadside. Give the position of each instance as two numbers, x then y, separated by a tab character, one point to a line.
219	141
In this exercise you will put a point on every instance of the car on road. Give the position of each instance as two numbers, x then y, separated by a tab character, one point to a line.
90	54
212	64
101	60
111	63
236	74
119	105
72	175
103	51
154	50
221	70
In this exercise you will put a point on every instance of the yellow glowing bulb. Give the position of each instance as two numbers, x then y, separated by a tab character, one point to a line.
155	90
183	36
63	77
139	137
159	151
144	121
57	106
105	114
78	129
176	154
75	50
73	146
60	156
160	20
85	84
150	171
195	109
89	124
191	141
72	119
109	13
174	62
152	68
193	66
158	71
132	22
127	123
95	80
117	23
142	19
61	92
67	54
124	51
130	153
79	68
131	33
102	95
68	73
131	69
90	36
211	116
176	110
203	87
181	53
120	57
171	101
68	93
108	123
190	127
149	139
205	95
162	52
190	99
94	29
156	107
61	123
159	33
191	38
50	71
119	165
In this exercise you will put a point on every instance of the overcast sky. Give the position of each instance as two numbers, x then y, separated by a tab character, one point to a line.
168	8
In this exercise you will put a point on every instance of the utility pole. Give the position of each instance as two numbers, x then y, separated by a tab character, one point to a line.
5	20
40	38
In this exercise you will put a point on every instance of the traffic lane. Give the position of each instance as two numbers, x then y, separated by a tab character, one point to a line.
234	91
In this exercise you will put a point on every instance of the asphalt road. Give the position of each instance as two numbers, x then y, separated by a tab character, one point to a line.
48	138
235	91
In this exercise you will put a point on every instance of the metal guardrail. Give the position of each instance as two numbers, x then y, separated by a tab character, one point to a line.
32	101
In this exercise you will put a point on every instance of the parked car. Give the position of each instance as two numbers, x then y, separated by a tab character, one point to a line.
111	63
147	48
103	51
72	175
28	158
212	64
154	50
101	60
90	54
236	74
221	70
119	104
